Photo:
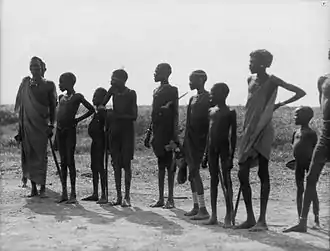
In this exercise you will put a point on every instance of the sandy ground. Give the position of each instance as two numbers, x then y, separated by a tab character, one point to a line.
42	224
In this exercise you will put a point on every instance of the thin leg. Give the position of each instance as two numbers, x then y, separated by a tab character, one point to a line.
195	208
202	213
128	180
244	176
229	198
319	158
263	174
34	190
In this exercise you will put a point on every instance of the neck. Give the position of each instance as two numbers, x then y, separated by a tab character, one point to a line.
305	126
200	90
70	91
164	82
36	77
262	75
222	104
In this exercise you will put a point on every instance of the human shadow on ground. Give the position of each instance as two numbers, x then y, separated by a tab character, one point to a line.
62	212
144	217
269	237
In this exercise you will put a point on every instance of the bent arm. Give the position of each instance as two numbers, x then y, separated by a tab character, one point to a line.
52	103
90	108
299	93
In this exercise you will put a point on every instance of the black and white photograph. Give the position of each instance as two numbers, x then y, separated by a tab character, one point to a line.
153	125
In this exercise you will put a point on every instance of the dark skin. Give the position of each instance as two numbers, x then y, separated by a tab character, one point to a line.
68	117
162	73
304	142
257	67
222	136
118	86
45	93
323	86
98	98
197	83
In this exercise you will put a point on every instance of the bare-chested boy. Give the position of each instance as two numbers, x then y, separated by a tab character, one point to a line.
258	132
66	131
194	145
320	155
221	143
122	132
304	141
164	129
97	133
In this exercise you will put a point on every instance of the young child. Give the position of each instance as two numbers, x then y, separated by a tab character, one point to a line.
66	131
96	132
164	129
122	132
304	141
221	143
195	139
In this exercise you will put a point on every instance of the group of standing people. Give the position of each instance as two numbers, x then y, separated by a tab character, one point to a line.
210	135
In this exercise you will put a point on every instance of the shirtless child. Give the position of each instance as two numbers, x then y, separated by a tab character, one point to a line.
320	155
194	145
66	131
122	132
96	132
221	143
164	129
304	141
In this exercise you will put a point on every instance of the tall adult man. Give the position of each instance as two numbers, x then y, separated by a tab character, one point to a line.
36	104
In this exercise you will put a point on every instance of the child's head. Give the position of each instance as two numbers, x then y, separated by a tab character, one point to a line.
218	94
119	78
303	115
99	95
162	72
197	79
67	81
260	60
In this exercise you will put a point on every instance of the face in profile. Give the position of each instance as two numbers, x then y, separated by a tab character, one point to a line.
116	83
64	84
217	95
301	116
98	98
160	73
194	82
255	65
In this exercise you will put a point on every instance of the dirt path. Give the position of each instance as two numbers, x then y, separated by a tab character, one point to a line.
41	224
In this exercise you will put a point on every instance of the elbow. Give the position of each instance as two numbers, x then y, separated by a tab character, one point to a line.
301	93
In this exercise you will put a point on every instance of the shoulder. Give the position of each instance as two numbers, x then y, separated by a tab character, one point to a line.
49	83
276	80
79	96
25	79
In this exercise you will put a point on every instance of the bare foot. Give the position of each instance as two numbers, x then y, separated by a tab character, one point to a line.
126	203
116	202
201	215
72	200
228	222
259	227
159	203
192	212
93	197
246	224
63	199
34	193
212	221
301	228
169	204
43	195
103	200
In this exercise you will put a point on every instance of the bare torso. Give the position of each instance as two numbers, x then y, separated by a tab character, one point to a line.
304	141
68	107
220	122
324	91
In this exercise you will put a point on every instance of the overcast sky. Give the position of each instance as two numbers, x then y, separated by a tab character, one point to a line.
93	38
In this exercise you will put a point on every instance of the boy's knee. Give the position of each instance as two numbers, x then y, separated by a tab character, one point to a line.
311	179
243	175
